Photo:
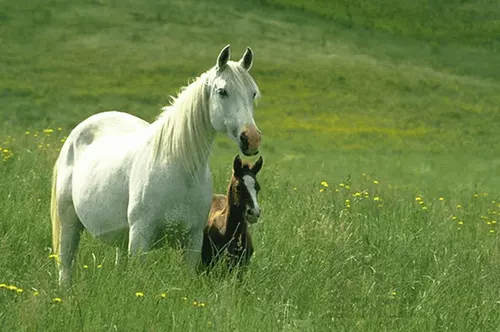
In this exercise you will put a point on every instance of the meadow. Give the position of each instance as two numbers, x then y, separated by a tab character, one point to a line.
381	181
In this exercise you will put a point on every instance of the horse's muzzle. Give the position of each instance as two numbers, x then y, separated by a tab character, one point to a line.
249	141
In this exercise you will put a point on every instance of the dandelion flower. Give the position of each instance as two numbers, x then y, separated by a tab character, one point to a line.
27	132
321	190
99	266
59	128
201	304
424	208
3	285
139	294
476	195
324	183
85	266
195	303
19	290
341	185
460	222
453	218
493	221
375	182
48	131
358	194
492	231
418	198
12	287
377	199
56	300
184	298
459	206
441	198
420	202
163	295
36	293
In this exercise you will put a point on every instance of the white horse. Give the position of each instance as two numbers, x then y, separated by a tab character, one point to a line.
125	180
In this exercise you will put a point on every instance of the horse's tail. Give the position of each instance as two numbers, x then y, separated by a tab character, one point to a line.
54	215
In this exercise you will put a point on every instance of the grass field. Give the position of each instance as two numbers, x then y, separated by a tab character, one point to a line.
381	178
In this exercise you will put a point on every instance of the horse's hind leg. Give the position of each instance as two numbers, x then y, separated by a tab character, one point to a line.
69	238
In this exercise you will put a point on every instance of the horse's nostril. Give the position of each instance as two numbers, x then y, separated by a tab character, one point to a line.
244	141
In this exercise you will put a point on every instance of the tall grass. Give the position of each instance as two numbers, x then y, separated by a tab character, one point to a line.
381	171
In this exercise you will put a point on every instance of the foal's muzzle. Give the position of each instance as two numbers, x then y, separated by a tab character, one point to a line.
252	215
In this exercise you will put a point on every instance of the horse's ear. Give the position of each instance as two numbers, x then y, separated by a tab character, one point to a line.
257	166
247	60
223	58
237	165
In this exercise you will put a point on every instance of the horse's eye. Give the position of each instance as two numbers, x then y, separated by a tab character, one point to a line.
222	92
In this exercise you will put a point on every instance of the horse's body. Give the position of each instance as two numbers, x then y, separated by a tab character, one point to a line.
125	180
226	234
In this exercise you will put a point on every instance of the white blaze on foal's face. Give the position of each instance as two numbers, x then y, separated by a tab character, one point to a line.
252	209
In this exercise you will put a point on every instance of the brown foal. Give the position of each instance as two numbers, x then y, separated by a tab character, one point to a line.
226	234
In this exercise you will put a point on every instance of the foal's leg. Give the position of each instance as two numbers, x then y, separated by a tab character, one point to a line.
69	238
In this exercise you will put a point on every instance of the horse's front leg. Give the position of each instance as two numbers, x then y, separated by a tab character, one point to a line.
193	249
141	237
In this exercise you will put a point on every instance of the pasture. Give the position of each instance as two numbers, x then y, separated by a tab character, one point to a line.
381	182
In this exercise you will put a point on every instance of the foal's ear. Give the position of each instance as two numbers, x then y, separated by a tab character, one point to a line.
247	60
257	166
223	58
237	165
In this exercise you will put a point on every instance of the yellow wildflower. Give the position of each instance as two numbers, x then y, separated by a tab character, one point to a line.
321	190
201	304
459	206
36	293
453	218
377	199
418	198
3	285
12	287
184	298
56	300
341	185
139	294
85	266
476	195
195	303
27	132
19	290
324	183
163	295
424	208
492	231
460	222
375	182
48	131
441	198
493	221
59	128
99	266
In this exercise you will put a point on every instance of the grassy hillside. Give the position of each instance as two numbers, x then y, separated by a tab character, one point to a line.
395	105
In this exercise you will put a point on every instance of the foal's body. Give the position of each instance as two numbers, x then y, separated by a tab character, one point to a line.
227	233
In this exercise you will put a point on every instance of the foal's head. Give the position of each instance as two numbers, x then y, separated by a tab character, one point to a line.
244	188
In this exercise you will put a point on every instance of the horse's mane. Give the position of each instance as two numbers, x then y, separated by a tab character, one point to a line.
188	115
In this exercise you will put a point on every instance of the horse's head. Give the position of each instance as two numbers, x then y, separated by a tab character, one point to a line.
246	187
232	92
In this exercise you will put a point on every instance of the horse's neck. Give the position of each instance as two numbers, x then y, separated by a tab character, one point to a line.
235	214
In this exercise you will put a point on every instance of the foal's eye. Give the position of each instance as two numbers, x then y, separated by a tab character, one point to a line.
222	92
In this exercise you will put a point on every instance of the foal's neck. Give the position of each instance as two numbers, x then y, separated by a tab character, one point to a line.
235	214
